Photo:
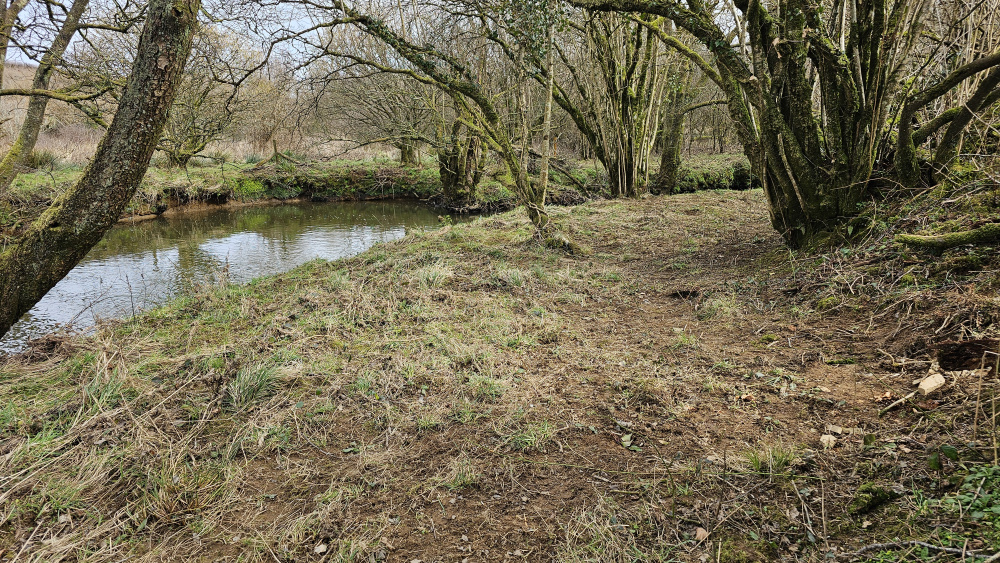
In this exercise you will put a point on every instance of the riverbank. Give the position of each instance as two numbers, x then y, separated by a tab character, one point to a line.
203	184
688	390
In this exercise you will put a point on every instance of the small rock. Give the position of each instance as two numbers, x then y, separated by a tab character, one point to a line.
701	534
321	548
931	383
828	441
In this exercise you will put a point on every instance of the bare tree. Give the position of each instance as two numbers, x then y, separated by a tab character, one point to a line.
811	87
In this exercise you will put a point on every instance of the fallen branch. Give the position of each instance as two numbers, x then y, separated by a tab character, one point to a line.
562	171
987	234
897	403
906	544
277	157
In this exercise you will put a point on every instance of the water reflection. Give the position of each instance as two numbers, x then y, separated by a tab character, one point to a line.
139	266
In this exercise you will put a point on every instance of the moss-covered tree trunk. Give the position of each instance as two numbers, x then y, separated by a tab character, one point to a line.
408	154
951	142
670	159
77	220
27	136
461	168
808	100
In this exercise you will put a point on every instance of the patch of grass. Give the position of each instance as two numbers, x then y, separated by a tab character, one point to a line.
428	422
725	306
608	533
432	276
465	412
771	460
486	389
462	473
509	277
251	385
532	436
683	340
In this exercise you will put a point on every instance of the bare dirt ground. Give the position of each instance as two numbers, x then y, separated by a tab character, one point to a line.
684	390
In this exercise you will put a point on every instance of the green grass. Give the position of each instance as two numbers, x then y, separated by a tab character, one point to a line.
347	404
251	385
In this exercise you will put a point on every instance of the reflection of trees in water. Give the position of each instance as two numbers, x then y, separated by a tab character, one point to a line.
193	265
140	266
282	222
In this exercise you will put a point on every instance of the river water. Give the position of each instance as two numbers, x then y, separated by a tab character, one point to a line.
139	266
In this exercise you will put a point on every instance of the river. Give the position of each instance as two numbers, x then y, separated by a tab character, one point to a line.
140	266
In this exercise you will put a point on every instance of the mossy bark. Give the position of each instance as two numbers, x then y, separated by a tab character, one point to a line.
78	219
27	136
460	165
987	234
951	141
408	154
906	161
670	159
809	107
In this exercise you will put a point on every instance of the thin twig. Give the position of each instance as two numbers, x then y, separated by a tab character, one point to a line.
912	543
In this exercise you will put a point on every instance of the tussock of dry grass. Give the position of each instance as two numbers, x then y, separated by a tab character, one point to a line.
469	393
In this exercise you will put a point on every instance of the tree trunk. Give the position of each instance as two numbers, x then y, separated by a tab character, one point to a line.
987	234
543	175
670	159
460	167
951	141
408	154
8	15
28	134
77	220
178	159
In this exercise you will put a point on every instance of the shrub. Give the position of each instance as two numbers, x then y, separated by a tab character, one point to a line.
41	159
715	172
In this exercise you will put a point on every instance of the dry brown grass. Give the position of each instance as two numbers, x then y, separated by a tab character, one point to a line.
468	393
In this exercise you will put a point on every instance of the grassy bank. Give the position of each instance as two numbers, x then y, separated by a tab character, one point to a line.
203	182
686	391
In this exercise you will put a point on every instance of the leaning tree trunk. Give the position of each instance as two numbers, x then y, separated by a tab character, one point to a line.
951	141
77	220
24	145
8	17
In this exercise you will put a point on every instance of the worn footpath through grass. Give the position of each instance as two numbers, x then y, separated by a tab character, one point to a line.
685	391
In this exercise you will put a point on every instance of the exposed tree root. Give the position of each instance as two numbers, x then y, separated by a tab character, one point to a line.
986	234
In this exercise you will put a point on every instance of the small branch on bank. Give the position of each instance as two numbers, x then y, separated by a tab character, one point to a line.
897	403
987	234
561	170
906	544
277	157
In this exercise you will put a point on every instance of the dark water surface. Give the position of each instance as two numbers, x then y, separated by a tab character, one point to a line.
137	267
